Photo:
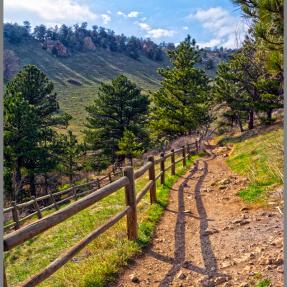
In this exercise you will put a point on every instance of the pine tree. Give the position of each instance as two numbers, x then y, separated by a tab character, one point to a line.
268	28
129	146
36	91
181	104
119	106
71	153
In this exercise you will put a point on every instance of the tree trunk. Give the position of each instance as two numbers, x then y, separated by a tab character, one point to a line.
240	124
17	179
269	115
251	120
32	184
131	161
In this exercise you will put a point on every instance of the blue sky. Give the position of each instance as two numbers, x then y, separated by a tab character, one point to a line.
211	23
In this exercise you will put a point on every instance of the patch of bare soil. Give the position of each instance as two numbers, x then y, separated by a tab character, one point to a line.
209	237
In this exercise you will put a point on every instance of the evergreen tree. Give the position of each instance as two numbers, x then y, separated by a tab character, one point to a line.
246	86
181	104
268	28
129	146
119	106
36	90
71	153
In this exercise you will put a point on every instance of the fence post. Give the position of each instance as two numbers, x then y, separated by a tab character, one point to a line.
196	146
162	177
183	156
99	183
172	162
188	152
131	202
15	215
152	177
36	206
53	200
110	177
75	192
4	278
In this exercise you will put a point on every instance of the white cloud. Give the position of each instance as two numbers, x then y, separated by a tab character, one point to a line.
106	19
155	32
120	13
226	30
133	14
185	28
158	33
144	26
64	11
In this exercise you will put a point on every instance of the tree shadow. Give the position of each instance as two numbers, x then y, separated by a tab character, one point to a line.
178	260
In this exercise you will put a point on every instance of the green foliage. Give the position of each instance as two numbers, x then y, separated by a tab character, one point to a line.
268	28
30	112
245	86
129	146
260	158
181	104
71	154
119	106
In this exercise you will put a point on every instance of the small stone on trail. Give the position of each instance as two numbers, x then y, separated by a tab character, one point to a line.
134	278
181	275
210	231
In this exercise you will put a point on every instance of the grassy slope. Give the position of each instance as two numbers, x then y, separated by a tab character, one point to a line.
89	68
98	263
260	158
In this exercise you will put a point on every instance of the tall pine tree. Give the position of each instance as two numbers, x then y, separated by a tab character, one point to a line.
181	104
119	106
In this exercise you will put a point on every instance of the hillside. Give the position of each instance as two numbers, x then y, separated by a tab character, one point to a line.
77	78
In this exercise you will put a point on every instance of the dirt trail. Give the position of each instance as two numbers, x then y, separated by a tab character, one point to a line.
208	237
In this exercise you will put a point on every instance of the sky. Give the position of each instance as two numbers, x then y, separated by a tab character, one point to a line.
210	22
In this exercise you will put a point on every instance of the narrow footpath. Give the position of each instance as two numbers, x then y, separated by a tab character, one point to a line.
209	237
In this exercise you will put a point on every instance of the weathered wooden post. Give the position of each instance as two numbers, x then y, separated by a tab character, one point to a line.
110	177
183	156
196	146
162	177
5	284
99	183
132	227
75	192
15	215
188	152
53	200
152	177
172	162
37	208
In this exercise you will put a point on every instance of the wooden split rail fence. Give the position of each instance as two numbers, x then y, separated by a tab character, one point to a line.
56	199
127	181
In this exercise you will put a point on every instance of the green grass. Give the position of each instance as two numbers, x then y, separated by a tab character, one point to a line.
101	260
264	283
88	69
260	159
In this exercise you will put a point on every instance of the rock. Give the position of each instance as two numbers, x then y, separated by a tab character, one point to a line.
220	280
224	181
134	278
280	269
181	275
210	231
244	208
244	285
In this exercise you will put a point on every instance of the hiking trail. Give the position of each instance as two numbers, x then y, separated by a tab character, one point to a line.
209	237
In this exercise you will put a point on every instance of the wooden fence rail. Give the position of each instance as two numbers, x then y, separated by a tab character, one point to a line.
132	197
56	200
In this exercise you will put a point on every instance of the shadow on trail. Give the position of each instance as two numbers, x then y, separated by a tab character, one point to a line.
178	261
